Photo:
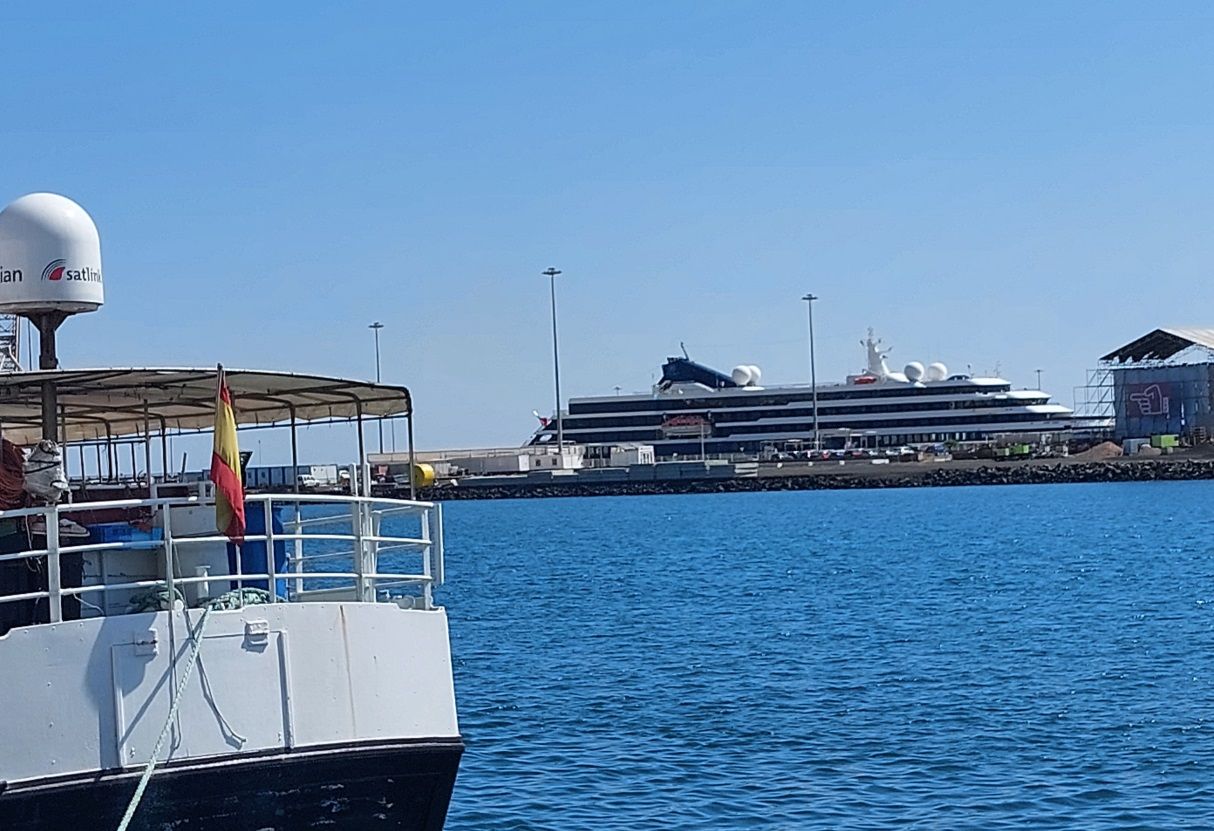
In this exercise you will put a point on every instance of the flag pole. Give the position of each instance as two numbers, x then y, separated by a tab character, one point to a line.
225	470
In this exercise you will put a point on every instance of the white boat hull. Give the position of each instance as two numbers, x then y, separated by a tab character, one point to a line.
293	710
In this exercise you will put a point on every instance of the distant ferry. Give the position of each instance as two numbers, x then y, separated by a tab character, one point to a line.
695	409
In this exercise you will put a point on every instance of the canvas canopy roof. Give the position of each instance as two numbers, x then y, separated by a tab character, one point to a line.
1162	344
97	403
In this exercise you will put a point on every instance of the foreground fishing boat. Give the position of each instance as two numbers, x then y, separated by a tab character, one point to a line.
327	699
290	672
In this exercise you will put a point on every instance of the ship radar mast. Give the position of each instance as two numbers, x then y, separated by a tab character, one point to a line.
876	356
50	269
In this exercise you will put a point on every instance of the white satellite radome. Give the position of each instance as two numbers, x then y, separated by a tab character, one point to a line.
740	375
913	371
937	371
50	257
756	374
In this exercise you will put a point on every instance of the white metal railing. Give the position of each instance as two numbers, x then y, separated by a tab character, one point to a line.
347	534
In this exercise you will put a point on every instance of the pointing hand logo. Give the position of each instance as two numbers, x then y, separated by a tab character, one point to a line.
1150	401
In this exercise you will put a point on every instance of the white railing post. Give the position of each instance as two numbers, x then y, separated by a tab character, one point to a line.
239	570
427	557
360	551
375	520
299	553
369	552
435	515
54	582
166	529
270	565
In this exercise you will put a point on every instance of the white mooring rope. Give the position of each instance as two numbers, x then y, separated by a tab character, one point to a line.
190	660
235	599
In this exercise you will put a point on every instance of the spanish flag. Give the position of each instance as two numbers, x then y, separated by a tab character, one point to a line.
225	467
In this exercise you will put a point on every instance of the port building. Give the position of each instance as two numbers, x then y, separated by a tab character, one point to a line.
1159	384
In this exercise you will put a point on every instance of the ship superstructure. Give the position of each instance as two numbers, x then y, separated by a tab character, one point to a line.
696	409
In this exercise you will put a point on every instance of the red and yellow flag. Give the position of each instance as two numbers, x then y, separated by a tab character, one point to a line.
225	467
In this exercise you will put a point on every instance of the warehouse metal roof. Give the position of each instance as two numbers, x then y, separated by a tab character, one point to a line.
1162	344
96	403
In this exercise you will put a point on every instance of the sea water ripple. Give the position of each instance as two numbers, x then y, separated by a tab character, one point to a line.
1001	657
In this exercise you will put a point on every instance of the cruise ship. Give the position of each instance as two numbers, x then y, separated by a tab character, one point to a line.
695	410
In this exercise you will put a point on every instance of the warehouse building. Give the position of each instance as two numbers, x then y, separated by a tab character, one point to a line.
1161	384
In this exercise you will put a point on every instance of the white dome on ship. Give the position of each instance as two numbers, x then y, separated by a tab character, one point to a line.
50	257
913	371
756	374
740	375
937	371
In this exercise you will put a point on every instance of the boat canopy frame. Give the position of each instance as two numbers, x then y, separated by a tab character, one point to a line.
105	405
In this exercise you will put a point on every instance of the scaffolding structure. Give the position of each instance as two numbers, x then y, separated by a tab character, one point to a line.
10	343
1097	396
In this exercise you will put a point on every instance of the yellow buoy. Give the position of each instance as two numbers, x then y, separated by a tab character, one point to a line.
423	475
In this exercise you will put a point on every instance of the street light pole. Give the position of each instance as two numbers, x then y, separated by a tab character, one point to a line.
813	371
551	274
376	326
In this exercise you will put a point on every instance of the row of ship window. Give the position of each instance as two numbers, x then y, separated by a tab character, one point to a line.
759	400
750	445
885	424
600	435
655	419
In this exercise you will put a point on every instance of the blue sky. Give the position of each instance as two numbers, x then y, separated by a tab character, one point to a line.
1020	187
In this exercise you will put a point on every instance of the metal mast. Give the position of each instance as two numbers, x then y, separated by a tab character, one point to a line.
551	274
375	327
809	299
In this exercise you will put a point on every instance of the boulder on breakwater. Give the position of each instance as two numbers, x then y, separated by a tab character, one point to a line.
940	476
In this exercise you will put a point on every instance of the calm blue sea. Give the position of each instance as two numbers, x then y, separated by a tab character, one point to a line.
1000	657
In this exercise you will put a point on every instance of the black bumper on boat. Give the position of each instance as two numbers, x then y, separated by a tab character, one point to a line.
380	785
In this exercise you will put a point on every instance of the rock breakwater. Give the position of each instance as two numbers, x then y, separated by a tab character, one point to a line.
917	477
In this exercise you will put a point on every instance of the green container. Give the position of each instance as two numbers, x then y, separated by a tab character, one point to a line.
1165	440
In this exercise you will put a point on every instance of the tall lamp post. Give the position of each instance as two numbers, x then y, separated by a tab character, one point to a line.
376	326
1039	380
551	274
813	371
